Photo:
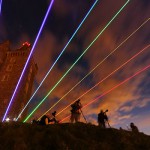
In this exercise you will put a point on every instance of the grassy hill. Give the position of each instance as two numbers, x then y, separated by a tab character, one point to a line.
79	136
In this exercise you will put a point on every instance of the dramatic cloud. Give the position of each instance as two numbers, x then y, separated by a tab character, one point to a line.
124	102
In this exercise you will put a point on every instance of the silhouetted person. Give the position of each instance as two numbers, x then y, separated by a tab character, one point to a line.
134	128
54	117
45	120
102	118
75	111
121	129
35	121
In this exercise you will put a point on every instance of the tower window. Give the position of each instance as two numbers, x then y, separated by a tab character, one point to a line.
5	78
26	87
31	69
9	67
29	76
5	101
12	60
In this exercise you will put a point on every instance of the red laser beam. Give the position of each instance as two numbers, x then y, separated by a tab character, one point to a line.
137	54
118	85
95	68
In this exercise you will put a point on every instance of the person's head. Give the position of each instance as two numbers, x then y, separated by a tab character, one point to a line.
102	111
78	101
106	110
131	124
54	113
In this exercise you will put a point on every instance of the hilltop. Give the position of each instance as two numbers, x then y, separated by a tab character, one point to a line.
79	136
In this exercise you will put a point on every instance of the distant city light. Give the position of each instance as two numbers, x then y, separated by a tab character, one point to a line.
14	119
7	119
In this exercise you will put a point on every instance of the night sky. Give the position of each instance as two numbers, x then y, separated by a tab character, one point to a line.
20	21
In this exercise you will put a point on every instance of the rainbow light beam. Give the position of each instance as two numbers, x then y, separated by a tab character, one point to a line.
95	67
1	6
133	57
58	57
43	23
76	61
107	92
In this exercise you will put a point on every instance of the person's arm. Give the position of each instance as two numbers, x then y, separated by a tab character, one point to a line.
46	121
106	118
80	105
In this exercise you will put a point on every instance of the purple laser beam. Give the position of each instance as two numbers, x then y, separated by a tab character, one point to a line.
43	23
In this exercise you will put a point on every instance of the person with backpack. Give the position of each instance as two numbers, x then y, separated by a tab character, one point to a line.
102	118
75	111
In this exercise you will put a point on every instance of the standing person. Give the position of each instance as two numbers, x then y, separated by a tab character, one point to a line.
75	111
102	118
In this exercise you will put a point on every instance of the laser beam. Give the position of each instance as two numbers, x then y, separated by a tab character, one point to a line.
59	56
133	57
107	92
96	67
1	6
145	68
43	23
76	61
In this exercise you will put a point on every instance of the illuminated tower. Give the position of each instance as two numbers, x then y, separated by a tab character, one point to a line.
11	66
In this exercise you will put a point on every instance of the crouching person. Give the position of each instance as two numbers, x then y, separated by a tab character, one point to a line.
45	120
134	128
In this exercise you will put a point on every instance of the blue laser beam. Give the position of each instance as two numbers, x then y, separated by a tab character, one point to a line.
100	33
58	58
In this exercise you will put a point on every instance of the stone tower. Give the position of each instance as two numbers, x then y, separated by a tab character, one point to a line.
11	65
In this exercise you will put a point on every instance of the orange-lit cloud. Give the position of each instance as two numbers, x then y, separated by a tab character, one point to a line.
122	101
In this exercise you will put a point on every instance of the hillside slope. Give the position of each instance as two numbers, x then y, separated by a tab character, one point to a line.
80	136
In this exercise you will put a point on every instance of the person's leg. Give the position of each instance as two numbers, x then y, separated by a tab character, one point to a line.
77	117
72	118
104	126
100	124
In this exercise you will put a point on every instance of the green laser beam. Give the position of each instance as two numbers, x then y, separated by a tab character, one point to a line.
76	61
95	67
80	25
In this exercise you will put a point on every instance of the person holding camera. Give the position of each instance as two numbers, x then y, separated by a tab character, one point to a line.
102	119
76	111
